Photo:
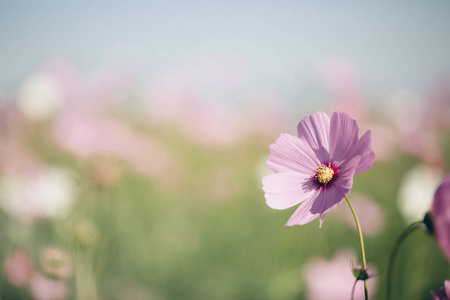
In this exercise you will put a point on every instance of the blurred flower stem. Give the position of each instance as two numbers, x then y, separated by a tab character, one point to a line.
85	282
394	252
353	288
361	240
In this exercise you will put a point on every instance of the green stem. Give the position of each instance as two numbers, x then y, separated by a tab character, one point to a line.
394	252
361	240
353	289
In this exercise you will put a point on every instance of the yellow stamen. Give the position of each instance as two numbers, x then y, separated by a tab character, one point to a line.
324	174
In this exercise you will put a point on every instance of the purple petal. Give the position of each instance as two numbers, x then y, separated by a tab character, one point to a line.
441	295
332	198
434	296
303	213
364	150
344	181
315	130
284	190
289	153
343	136
447	288
441	216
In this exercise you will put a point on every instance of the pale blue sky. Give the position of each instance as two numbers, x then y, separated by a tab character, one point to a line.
405	43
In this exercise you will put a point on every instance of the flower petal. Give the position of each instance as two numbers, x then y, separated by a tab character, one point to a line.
441	216
433	295
315	130
364	150
332	197
284	190
343	136
303	213
447	288
289	153
344	181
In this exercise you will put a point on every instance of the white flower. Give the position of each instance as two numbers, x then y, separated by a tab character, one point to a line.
416	192
49	194
39	97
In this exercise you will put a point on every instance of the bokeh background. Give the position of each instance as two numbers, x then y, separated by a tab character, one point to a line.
133	140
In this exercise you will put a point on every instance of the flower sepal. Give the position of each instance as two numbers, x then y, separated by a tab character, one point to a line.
360	273
428	221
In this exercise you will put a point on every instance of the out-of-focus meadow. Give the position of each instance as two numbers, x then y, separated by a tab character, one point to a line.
111	189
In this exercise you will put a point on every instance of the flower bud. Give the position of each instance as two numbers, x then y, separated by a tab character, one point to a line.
360	273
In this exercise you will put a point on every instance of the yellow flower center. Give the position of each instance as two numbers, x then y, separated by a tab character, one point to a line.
324	174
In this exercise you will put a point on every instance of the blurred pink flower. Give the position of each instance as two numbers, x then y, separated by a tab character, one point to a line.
385	141
317	167
441	216
106	171
169	96
64	74
57	89
411	125
423	144
56	262
213	125
438	104
94	94
342	78
18	268
333	280
370	213
265	115
16	159
88	136
43	288
192	95
444	292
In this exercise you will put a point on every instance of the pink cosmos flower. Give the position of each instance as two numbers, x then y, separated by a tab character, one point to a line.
317	168
333	279
444	292
441	216
18	268
43	288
